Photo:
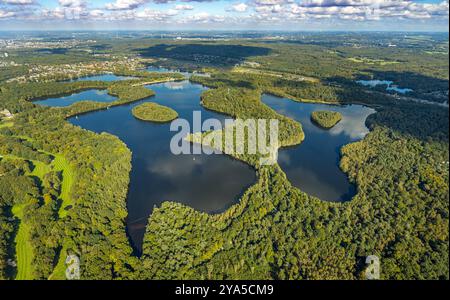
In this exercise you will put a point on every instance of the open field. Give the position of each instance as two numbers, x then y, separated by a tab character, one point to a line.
61	164
24	250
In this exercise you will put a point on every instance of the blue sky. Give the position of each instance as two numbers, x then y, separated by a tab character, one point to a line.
407	15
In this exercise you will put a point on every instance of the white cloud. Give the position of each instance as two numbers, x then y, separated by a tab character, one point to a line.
202	17
356	10
6	14
155	15
96	13
239	7
72	3
125	4
274	12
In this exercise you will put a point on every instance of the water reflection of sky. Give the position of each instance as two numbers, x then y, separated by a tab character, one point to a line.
176	85
353	123
314	165
165	70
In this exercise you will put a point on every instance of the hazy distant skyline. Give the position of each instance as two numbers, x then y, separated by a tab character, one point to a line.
395	15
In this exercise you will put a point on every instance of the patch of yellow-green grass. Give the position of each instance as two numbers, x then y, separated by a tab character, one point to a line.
369	61
24	250
436	52
59	273
40	169
6	124
61	164
58	164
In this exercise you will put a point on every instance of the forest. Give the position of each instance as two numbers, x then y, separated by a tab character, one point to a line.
63	189
33	199
326	119
153	112
279	232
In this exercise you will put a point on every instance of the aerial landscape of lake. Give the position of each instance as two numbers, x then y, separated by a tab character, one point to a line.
207	183
108	125
314	165
213	183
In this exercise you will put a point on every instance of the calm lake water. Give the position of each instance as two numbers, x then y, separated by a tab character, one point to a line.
389	85
93	95
158	69
165	70
313	166
207	183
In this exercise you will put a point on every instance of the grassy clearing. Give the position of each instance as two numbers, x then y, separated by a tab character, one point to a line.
6	124
59	273
40	169
369	61
61	164
432	53
24	250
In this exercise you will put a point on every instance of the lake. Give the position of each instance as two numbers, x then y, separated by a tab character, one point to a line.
212	184
103	77
389	85
209	184
313	166
93	95
166	70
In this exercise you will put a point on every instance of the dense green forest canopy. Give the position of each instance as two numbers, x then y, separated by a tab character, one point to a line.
63	189
212	54
153	112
